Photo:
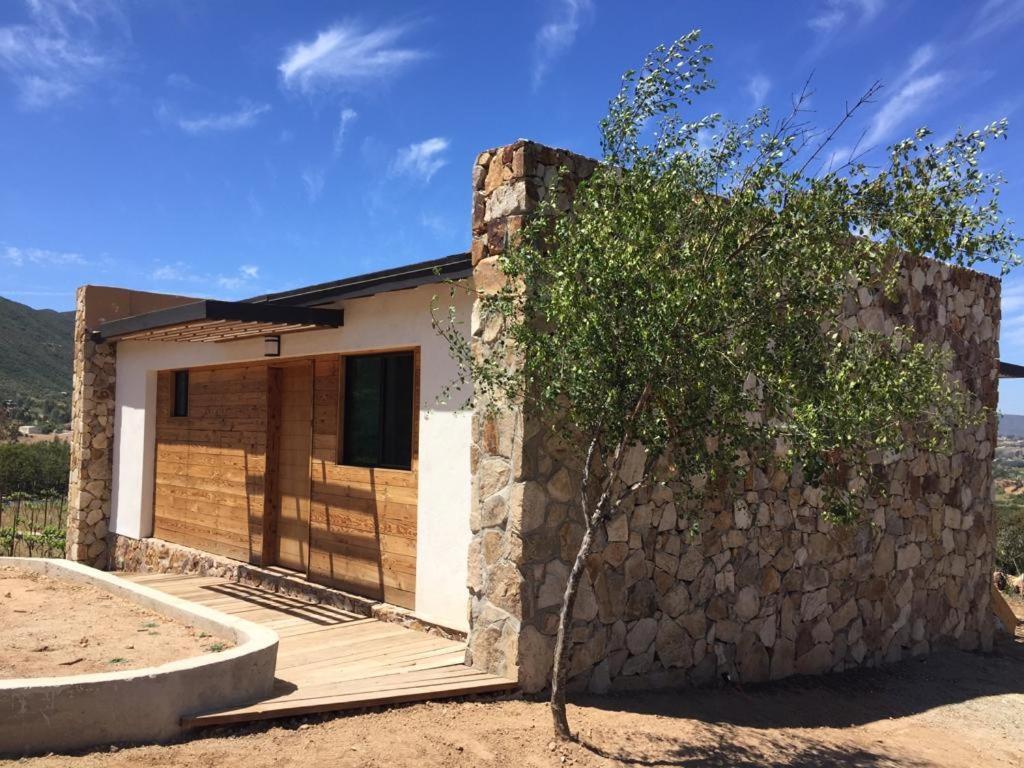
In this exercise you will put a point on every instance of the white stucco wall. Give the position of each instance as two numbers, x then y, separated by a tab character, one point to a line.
397	319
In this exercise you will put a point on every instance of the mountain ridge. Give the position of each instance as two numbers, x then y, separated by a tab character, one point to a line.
36	351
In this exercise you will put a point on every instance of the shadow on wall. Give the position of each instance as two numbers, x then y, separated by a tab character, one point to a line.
854	698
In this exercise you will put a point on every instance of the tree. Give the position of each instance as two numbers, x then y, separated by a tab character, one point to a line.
689	307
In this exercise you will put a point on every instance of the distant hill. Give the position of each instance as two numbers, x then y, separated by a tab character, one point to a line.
35	351
1011	425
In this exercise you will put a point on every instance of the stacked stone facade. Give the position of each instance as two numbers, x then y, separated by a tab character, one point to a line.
92	442
757	588
92	415
508	183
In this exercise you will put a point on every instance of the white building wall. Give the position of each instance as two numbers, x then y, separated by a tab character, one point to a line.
397	319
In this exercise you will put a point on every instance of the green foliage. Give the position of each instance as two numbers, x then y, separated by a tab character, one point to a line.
36	469
1009	510
693	301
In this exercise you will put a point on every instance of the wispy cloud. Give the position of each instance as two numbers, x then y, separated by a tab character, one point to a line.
180	81
913	90
245	116
65	46
246	274
347	116
758	87
19	257
347	56
995	16
437	224
1012	324
558	35
421	160
833	14
313	180
180	272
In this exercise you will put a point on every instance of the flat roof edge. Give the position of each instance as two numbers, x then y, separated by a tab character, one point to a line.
454	267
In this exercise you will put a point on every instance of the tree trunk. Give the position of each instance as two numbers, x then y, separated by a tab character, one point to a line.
560	672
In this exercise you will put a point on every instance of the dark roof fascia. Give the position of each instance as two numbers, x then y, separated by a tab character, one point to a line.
1010	370
212	309
455	267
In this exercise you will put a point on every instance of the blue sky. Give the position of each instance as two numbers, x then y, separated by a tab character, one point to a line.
235	147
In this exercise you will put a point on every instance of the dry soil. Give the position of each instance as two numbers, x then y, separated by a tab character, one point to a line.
951	709
49	627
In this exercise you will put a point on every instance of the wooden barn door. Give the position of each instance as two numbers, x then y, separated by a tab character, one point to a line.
293	453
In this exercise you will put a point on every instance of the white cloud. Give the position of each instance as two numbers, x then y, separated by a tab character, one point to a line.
345	57
1012	299
173	273
421	160
758	87
67	45
313	180
437	224
833	14
245	116
347	116
180	81
907	100
246	274
920	59
180	272
19	257
995	16
558	35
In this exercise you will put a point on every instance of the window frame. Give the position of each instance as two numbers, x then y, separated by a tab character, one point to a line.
176	377
343	399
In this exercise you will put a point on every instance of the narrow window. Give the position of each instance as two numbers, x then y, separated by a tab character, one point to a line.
180	407
377	426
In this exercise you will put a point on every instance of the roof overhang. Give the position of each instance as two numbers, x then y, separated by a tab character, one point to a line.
455	267
217	321
1010	370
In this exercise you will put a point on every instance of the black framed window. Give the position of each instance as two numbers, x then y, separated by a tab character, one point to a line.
377	418
179	406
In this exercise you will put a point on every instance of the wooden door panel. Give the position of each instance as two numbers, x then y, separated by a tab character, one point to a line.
293	467
362	520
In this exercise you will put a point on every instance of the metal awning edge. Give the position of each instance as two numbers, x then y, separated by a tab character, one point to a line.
213	309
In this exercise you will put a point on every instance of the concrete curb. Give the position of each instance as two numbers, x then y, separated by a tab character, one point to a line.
47	714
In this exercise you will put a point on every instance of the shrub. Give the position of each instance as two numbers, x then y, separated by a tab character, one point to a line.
1009	533
37	469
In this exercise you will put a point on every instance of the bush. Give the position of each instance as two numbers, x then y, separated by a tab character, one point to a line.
1009	533
37	469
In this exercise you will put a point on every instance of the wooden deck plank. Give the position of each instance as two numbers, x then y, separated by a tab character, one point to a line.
329	659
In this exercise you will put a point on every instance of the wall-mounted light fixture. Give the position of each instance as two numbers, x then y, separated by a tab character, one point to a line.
271	346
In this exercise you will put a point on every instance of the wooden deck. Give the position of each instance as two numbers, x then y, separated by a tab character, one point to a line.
328	659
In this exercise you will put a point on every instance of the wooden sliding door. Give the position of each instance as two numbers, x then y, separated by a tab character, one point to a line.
308	464
363	518
293	454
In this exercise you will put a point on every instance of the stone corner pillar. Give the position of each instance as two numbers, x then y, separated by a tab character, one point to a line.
508	183
90	484
92	441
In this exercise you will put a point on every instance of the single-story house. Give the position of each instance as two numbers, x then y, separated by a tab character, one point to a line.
302	432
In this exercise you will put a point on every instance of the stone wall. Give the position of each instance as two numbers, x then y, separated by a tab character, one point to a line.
92	415
508	182
762	588
92	442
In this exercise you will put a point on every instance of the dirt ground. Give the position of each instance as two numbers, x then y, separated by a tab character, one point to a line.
49	627
951	709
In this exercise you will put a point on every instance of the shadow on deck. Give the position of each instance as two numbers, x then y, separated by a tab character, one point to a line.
329	659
